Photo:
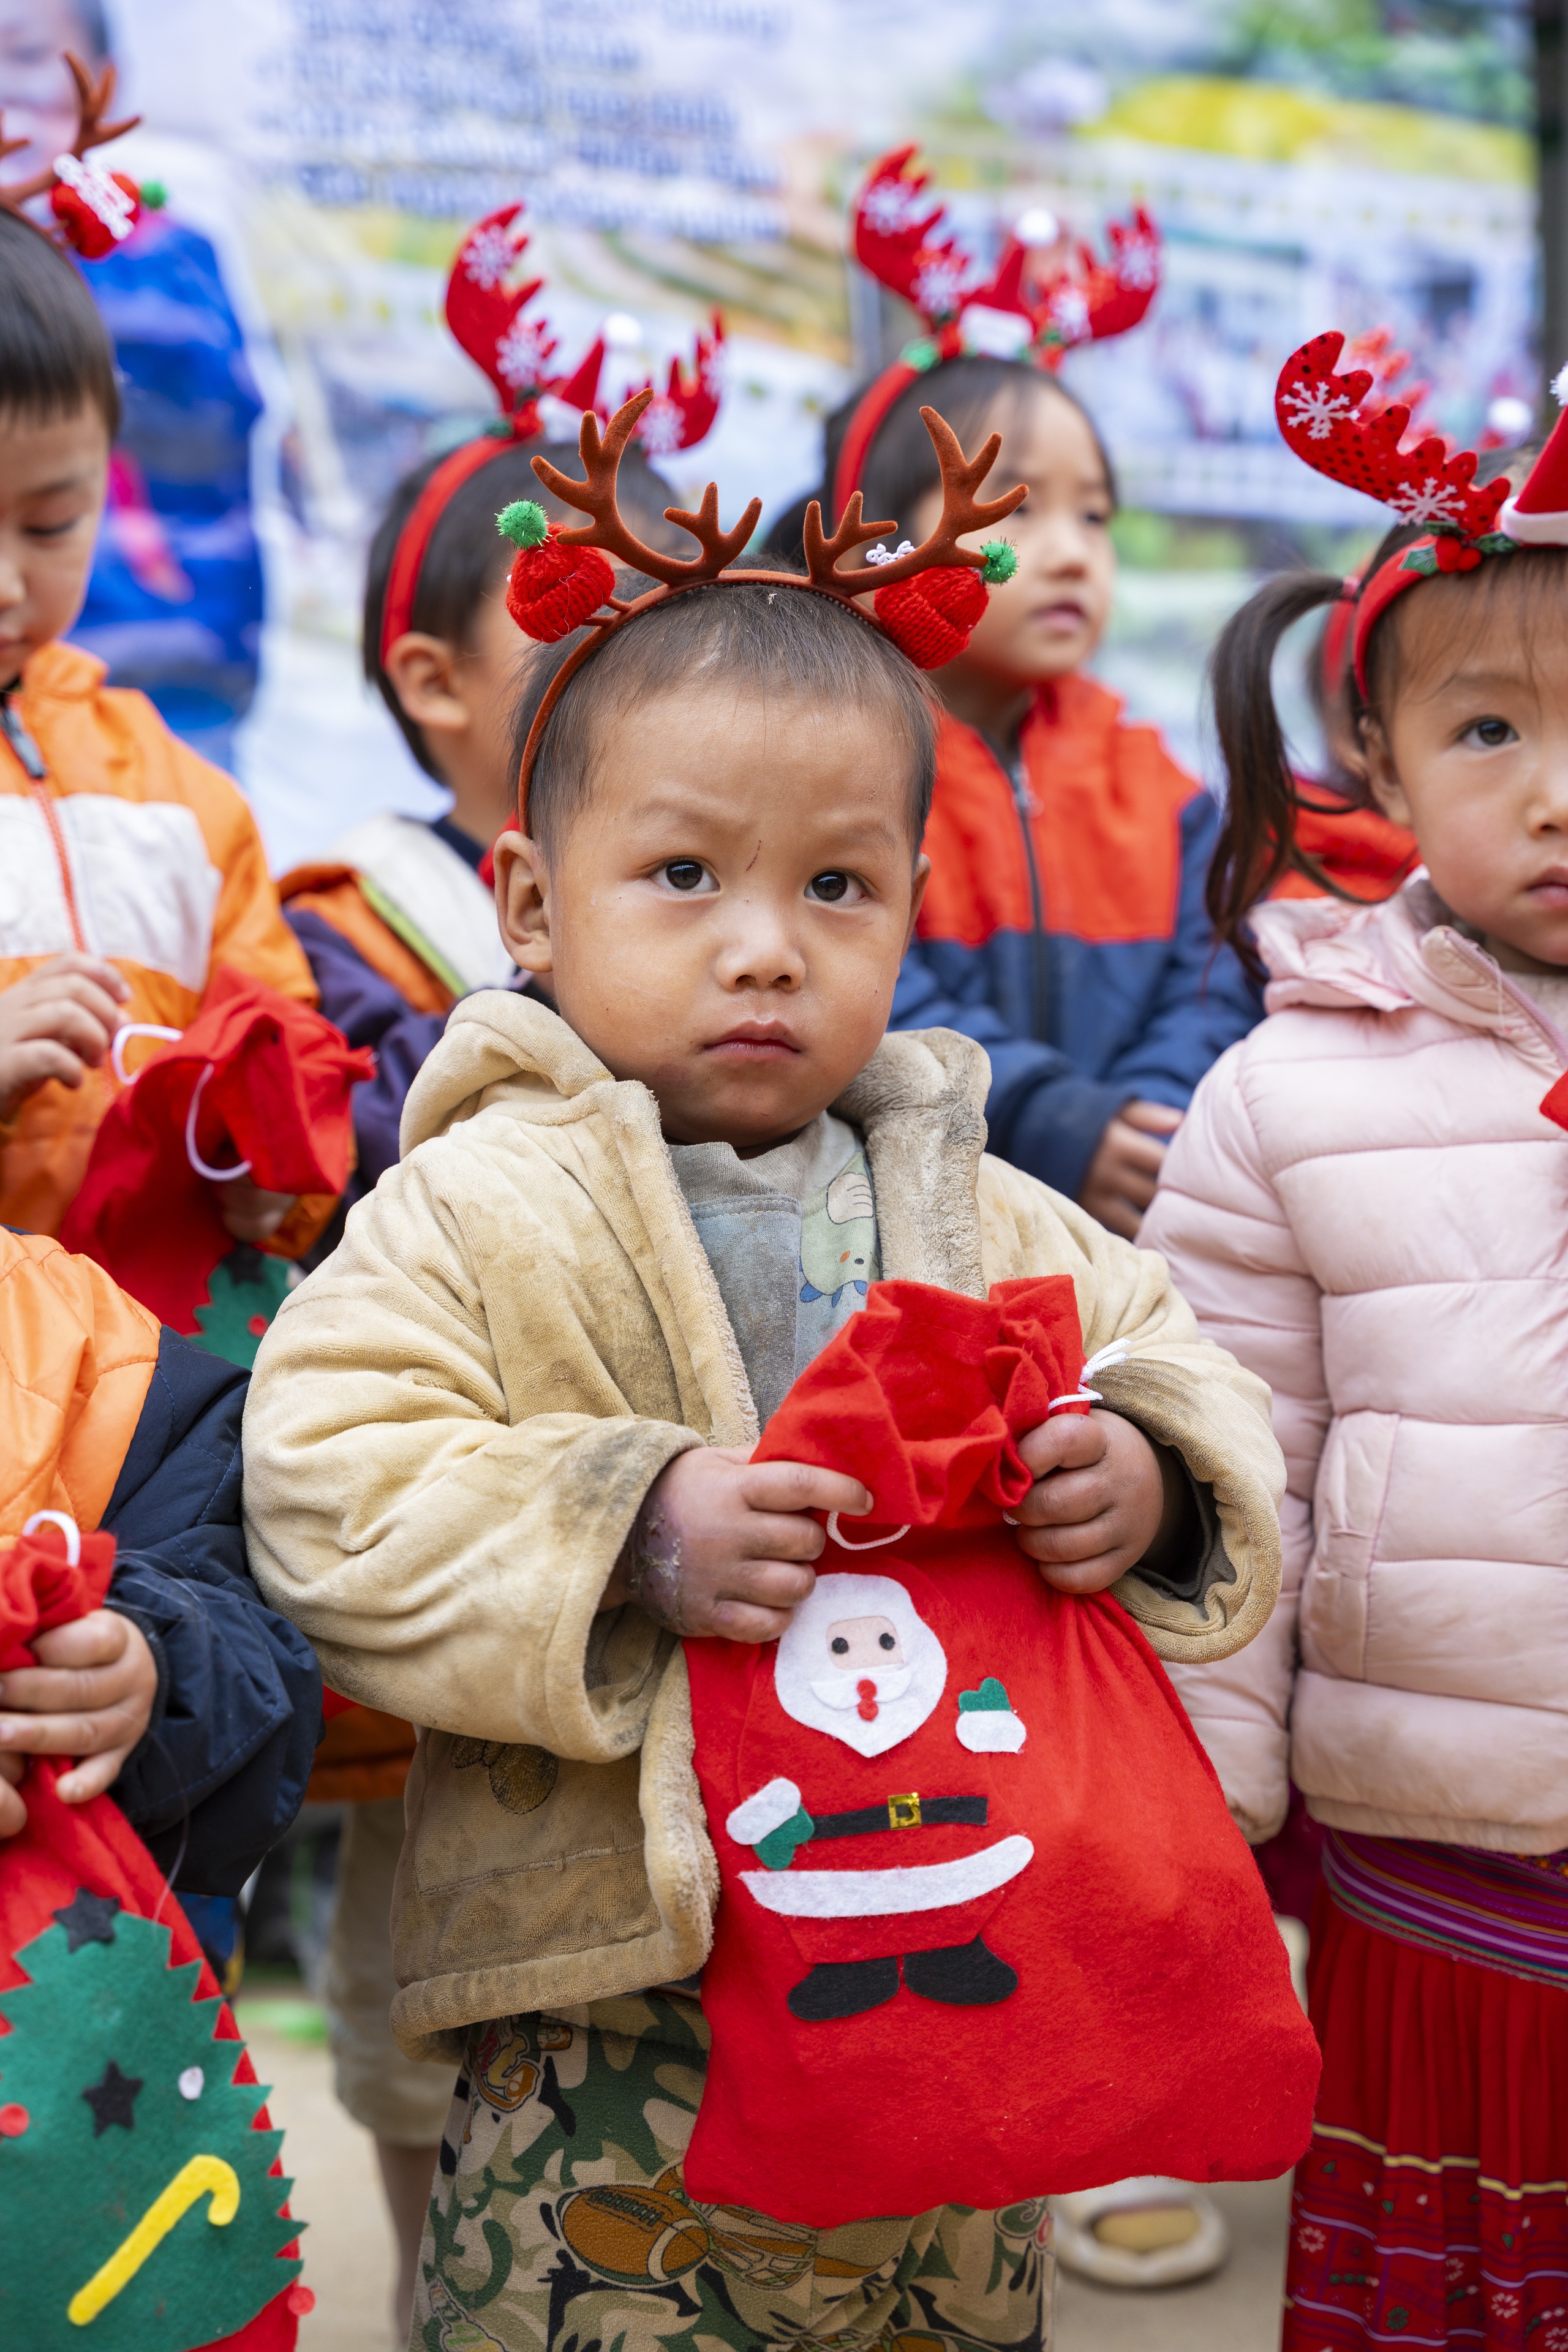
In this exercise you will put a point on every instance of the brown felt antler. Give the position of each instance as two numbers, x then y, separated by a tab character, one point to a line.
961	512
608	529
92	99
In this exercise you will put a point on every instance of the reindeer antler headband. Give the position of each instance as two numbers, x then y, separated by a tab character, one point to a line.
1329	421
898	237
927	600
485	314
94	210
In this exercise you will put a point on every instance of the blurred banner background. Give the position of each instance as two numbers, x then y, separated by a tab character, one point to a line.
1353	162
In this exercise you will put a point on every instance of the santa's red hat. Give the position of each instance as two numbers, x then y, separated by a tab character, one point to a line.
1538	517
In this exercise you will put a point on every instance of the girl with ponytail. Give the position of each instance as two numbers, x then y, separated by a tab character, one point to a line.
1368	1203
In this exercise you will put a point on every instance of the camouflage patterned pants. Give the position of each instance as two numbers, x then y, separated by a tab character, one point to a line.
560	2220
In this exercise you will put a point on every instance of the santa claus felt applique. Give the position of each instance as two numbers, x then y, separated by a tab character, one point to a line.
977	1878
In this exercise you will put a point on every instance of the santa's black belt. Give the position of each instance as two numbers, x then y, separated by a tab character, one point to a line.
911	1812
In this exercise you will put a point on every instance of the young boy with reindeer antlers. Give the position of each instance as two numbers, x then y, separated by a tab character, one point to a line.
499	1447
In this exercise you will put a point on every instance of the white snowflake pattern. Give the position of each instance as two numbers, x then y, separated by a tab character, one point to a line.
488	256
890	206
1310	2239
1432	501
940	282
712	371
1316	409
521	352
1505	2305
1138	264
661	426
1069	312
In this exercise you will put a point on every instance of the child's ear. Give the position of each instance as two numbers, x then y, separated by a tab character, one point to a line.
423	673
523	902
1382	775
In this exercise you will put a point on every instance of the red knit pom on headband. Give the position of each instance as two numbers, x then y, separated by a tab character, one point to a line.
927	599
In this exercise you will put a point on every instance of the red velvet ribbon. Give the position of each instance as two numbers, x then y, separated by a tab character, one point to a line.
413	539
872	409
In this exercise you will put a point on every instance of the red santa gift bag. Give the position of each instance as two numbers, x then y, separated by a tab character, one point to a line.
141	2181
256	1085
986	1930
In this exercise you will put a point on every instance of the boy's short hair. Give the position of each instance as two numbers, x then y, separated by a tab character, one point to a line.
774	640
467	556
56	356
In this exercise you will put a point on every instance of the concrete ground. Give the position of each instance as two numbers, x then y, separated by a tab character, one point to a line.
348	2244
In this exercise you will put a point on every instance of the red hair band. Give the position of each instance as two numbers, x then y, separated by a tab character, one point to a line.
897	238
486	317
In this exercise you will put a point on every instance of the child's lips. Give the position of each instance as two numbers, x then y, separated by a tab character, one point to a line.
1550	888
753	1041
1065	618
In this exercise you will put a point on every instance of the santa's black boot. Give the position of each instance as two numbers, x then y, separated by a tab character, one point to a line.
965	1976
843	1988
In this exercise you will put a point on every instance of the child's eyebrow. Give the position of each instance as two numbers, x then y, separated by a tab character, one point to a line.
82	476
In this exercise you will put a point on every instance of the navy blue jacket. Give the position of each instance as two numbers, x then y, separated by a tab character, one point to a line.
221	1770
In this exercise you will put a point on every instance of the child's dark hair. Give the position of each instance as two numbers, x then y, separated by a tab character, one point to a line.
56	357
466	557
1256	845
776	641
900	467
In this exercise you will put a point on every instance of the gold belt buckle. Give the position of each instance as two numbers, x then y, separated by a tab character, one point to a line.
904	1813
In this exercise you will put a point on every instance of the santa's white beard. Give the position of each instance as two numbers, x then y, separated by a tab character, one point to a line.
848	1688
906	1694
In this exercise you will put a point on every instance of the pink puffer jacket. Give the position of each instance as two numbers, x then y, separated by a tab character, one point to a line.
1366	1205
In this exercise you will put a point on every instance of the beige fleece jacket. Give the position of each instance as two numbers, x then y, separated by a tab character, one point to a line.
452	1423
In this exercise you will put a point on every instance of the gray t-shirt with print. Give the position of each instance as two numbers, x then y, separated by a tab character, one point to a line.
791	1236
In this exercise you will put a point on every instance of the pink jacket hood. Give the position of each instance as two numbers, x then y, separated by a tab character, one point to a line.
1367	1207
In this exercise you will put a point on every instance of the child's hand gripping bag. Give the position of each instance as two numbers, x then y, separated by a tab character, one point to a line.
142	2206
986	1930
256	1085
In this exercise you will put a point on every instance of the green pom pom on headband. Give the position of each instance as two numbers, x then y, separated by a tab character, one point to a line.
525	523
1001	560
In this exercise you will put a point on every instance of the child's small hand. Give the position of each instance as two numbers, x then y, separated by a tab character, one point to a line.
722	1544
250	1213
89	1695
1126	1166
56	1023
1099	1502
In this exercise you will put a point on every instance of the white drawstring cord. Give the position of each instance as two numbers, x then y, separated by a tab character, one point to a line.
136	1029
876	1543
1083	1395
67	1528
213	1175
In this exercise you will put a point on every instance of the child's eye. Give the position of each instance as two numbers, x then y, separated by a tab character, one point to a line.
684	874
1489	734
833	887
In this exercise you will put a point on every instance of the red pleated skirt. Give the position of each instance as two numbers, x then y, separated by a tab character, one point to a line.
1432	2207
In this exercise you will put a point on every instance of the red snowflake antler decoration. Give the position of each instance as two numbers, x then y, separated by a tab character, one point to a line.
485	309
897	238
684	412
1323	418
94	210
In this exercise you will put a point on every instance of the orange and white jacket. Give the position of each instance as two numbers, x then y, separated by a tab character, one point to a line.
127	846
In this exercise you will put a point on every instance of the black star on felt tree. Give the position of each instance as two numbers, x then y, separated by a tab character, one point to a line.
139	2214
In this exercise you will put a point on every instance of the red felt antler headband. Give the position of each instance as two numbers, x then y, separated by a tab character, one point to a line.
1329	421
485	310
927	598
899	238
94	210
